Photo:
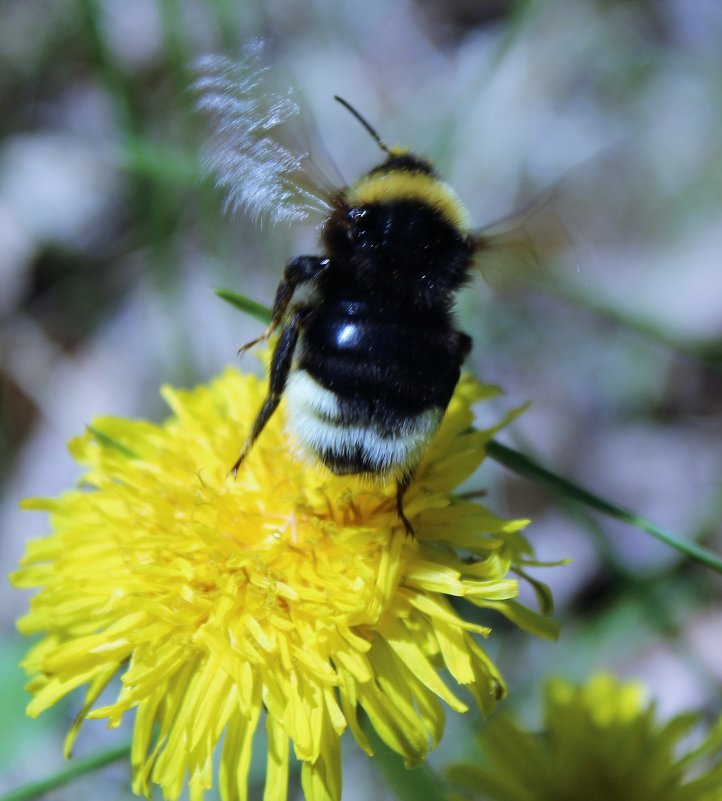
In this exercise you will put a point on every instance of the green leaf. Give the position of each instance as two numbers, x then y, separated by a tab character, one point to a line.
528	468
257	310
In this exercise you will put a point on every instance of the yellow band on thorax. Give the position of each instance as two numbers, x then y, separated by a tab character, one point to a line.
386	187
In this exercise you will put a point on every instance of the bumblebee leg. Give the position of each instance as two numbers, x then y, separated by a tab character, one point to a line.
402	484
299	271
280	368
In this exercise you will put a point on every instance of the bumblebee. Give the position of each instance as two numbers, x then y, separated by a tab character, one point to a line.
369	358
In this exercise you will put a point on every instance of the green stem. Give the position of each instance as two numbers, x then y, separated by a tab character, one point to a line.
79	768
526	467
176	49
112	73
149	203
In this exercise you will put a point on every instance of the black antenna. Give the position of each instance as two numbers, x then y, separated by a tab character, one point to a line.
363	122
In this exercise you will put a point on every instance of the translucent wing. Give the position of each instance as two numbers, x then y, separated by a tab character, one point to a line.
247	152
526	247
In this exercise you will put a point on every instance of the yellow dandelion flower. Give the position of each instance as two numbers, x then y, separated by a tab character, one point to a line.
599	741
287	590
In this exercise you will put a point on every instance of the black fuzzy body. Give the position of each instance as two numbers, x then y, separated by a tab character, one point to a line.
379	332
369	361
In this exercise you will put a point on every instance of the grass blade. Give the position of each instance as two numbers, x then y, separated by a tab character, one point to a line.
528	468
61	777
257	310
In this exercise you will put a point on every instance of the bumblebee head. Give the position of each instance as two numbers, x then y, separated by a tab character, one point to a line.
400	158
400	222
403	177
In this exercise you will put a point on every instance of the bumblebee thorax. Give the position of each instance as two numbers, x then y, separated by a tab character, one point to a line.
404	177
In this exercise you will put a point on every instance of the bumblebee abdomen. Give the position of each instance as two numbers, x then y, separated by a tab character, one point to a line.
338	431
368	394
379	363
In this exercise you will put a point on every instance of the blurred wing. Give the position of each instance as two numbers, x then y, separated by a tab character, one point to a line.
526	247
247	153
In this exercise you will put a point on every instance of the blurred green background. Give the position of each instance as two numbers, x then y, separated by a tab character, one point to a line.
111	243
